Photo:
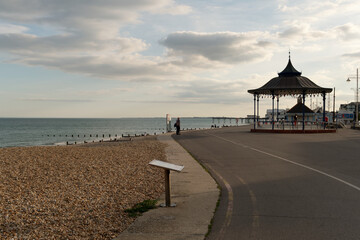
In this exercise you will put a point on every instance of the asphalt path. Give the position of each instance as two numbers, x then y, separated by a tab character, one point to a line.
281	186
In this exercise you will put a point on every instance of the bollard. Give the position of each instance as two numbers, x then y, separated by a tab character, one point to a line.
67	143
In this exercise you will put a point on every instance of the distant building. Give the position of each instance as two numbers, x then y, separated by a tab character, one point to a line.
349	107
345	116
281	114
347	112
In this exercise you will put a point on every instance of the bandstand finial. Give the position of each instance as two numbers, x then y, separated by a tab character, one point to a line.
289	54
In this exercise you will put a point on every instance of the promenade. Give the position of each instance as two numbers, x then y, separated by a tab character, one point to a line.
282	186
195	193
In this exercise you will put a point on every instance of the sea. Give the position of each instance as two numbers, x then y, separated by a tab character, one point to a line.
15	132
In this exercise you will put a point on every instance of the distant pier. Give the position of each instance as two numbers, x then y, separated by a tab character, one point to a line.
231	120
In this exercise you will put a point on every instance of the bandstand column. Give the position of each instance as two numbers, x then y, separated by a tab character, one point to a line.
324	100
254	111
277	109
257	115
273	98
303	111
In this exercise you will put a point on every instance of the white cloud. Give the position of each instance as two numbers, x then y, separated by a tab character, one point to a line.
173	9
316	11
11	28
87	36
55	100
318	20
304	35
95	18
211	91
347	32
301	32
222	47
27	44
352	55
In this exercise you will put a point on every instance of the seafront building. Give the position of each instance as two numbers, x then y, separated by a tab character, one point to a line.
279	114
347	112
349	107
345	117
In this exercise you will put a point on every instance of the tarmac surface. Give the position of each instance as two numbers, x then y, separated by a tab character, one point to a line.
195	193
282	186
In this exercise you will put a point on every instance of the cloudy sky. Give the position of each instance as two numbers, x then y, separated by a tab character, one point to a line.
146	58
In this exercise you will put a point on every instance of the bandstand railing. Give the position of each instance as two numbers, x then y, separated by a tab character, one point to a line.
291	125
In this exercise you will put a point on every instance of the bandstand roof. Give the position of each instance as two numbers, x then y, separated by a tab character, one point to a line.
289	82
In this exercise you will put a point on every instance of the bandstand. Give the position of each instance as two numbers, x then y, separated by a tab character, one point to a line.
288	83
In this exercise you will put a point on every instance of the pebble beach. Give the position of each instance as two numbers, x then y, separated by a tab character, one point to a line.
76	192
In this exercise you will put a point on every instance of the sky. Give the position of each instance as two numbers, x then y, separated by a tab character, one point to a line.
149	58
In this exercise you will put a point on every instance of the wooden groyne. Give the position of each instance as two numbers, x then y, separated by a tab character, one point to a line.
74	139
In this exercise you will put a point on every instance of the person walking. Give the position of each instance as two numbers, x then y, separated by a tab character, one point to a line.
295	119
177	126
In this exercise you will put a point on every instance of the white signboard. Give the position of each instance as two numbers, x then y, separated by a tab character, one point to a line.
166	165
168	123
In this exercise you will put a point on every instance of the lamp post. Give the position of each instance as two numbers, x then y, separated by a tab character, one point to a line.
357	97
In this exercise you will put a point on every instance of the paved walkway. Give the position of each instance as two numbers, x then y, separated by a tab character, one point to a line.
195	193
282	186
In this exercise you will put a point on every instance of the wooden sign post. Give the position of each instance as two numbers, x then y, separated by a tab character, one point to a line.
167	167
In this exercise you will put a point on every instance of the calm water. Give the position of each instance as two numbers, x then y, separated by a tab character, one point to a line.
45	131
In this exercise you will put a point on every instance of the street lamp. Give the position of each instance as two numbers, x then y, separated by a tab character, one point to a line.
357	97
